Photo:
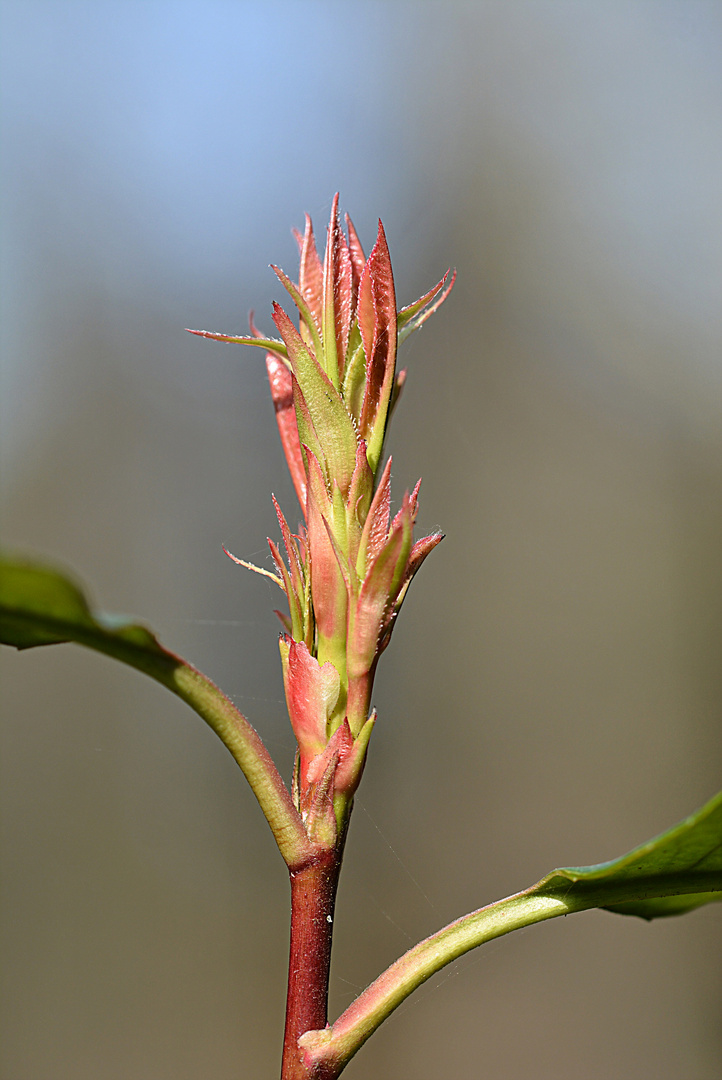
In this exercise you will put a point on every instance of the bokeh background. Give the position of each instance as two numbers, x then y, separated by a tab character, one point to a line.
552	693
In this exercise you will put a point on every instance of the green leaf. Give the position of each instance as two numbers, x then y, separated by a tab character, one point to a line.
675	872
332	426
42	606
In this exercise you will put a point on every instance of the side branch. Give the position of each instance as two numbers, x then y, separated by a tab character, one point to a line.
42	606
329	1051
236	734
672	873
248	749
234	731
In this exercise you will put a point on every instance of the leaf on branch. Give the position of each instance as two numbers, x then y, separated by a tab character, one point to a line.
673	873
41	606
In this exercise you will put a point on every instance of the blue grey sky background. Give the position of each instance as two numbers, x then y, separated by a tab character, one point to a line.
167	145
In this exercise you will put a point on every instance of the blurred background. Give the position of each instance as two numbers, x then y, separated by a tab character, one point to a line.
552	695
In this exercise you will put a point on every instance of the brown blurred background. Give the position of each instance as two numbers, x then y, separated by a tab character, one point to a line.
552	693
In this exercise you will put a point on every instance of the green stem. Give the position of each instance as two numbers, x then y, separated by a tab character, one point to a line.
331	1049
229	724
248	749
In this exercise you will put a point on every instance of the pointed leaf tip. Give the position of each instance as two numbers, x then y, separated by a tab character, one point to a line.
270	344
415	315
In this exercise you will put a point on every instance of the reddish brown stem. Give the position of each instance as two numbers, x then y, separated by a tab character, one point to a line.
313	898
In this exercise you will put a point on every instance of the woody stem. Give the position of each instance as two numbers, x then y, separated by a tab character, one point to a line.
313	898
